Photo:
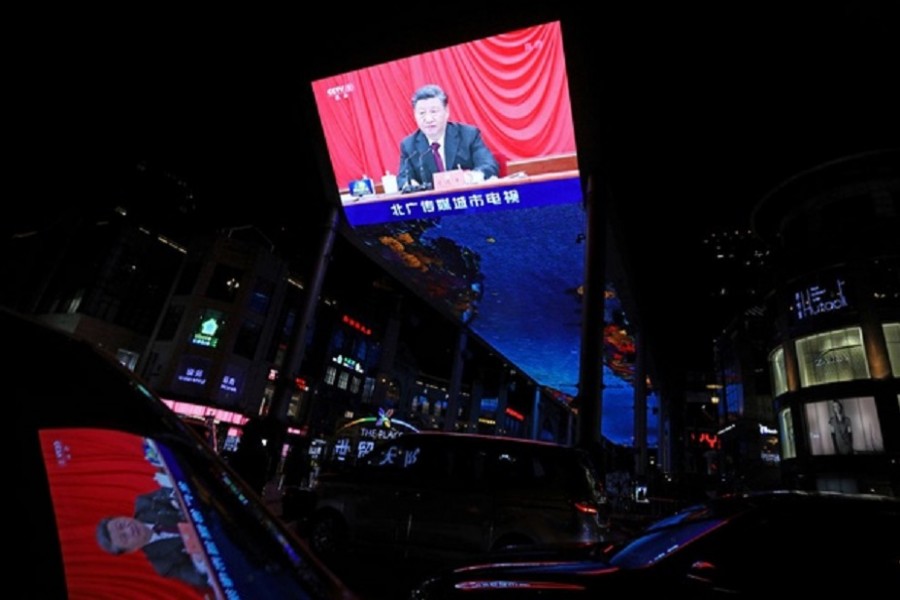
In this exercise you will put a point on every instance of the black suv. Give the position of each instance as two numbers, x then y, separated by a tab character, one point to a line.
785	544
441	498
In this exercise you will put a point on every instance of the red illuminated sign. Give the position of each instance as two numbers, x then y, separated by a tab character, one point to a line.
705	438
515	414
347	320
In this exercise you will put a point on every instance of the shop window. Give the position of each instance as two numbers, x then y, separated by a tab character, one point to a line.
843	426
830	357
778	372
786	434
892	340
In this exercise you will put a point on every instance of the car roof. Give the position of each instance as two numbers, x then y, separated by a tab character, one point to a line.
476	438
780	499
805	497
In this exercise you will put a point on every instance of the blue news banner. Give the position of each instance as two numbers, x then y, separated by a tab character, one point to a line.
504	195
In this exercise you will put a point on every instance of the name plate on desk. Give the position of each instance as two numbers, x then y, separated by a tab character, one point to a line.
449	179
362	187
445	180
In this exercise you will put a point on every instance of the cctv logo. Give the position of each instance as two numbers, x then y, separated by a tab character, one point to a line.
341	92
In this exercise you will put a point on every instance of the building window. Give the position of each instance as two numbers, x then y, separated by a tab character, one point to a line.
439	407
830	357
261	297
778	371
188	279
354	385
170	323
225	283
420	404
247	339
74	303
368	389
330	375
343	380
892	340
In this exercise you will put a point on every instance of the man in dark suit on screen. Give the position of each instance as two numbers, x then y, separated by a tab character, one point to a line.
439	144
154	531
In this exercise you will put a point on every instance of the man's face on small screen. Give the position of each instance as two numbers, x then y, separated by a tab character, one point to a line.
431	117
127	534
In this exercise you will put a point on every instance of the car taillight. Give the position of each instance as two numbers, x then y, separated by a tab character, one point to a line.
588	508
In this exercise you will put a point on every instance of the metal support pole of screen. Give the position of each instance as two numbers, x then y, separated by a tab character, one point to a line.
590	376
640	409
285	383
456	380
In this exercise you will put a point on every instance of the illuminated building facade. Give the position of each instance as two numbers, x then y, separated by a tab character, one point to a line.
834	352
223	330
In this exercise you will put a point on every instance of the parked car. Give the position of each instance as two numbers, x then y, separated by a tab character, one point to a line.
117	496
751	545
437	498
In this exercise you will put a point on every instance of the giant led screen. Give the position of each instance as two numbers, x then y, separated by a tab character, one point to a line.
457	170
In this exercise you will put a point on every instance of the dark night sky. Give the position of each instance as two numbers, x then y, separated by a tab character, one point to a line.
687	115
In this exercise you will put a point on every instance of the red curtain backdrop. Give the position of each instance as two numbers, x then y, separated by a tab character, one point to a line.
513	86
94	474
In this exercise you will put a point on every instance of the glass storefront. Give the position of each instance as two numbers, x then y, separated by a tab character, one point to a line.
892	341
778	371
830	357
786	431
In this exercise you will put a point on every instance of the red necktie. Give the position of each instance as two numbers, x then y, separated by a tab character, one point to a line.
437	156
160	528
